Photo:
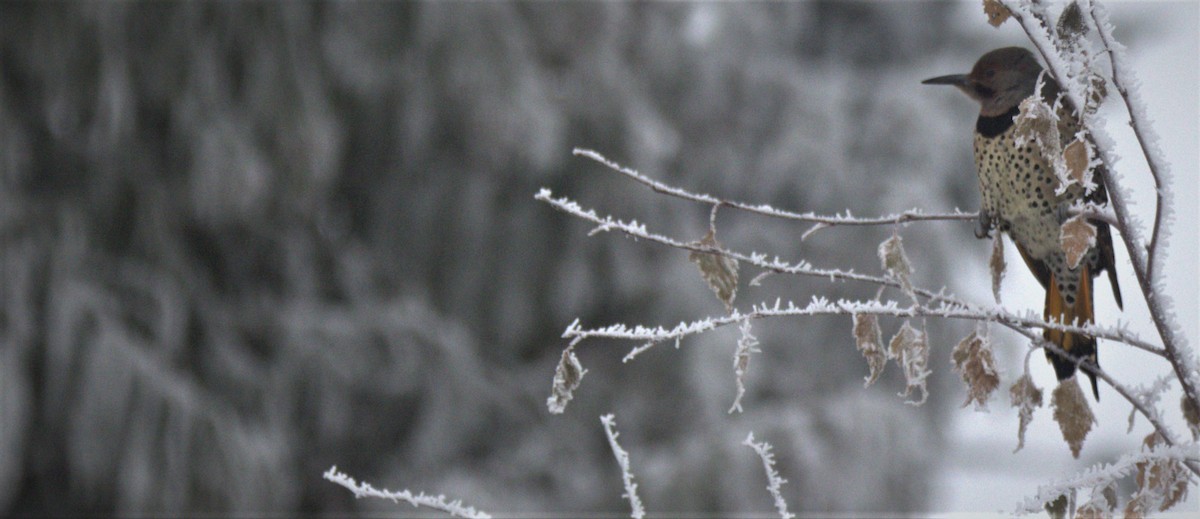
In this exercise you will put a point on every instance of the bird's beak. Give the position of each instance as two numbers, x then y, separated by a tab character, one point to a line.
958	80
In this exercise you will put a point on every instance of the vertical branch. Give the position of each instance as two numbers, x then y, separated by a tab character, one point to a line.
610	429
774	482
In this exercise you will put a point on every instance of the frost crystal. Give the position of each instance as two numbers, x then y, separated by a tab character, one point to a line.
747	344
635	502
774	482
1077	236
895	262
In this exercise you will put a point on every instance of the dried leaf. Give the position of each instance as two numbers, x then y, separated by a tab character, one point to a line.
973	360
1161	481
1071	411
1097	90
997	265
1092	511
996	12
1077	236
895	262
1070	22
1057	509
1025	397
1135	508
1076	157
720	272
910	348
1190	414
870	339
1036	123
567	377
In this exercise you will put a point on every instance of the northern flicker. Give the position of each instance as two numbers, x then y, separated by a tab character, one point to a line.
1018	184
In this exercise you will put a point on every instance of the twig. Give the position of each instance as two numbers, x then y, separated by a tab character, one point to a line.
635	503
962	310
766	210
774	482
454	508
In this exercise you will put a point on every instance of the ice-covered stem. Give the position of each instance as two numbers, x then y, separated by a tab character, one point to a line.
822	221
1177	351
1032	19
1098	476
454	508
963	310
635	503
774	482
639	231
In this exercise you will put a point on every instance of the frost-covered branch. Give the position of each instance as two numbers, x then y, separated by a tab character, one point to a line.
820	221
1103	475
821	306
774	482
635	502
454	508
1033	20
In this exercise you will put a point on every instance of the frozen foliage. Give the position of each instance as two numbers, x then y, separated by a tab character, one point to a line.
721	272
454	508
1026	397
567	377
774	482
1071	411
869	339
973	360
910	348
635	502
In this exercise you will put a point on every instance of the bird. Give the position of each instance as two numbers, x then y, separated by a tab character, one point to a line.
1017	186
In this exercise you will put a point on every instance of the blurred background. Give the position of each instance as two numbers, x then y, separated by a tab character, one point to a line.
243	242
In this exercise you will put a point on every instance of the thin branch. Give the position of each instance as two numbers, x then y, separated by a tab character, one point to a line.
1176	348
1174	344
1097	476
774	482
454	508
766	210
635	503
961	309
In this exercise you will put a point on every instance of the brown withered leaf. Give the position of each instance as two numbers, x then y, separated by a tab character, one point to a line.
1057	509
567	377
1076	157
1163	481
1036	123
1092	511
996	12
720	272
973	360
1071	411
997	265
911	350
1025	397
1190	414
870	339
1070	22
895	261
1076	237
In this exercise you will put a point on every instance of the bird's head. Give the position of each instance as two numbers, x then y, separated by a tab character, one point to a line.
1000	80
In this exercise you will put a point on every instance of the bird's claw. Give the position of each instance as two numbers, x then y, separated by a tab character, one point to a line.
984	225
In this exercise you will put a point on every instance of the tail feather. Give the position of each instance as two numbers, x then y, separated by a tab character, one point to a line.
1077	345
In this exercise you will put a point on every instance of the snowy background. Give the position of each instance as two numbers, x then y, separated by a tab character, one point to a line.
241	243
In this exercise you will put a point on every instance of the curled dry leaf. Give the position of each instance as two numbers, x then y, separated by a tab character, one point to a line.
870	342
1077	236
566	378
1190	414
997	265
973	360
1163	481
1092	511
720	272
1070	23
1076	155
996	12
1025	397
1057	509
1071	411
895	261
911	350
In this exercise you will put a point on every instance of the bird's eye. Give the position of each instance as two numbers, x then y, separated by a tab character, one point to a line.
989	74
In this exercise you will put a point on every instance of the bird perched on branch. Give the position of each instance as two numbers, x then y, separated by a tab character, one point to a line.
1024	194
